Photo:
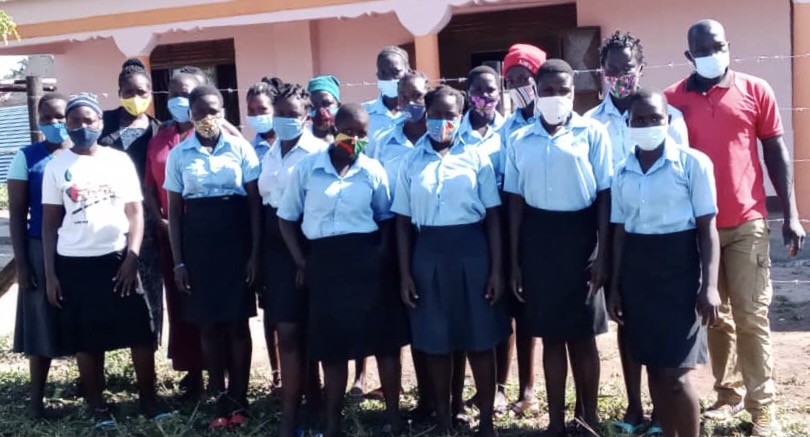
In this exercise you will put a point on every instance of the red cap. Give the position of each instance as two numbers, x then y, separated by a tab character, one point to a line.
525	55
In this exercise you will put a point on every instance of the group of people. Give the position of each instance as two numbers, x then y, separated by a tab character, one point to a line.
423	218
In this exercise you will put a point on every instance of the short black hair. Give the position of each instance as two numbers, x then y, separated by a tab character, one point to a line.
132	67
646	94
202	91
349	111
180	76
287	91
621	41
479	71
553	66
195	71
443	91
268	86
49	97
394	50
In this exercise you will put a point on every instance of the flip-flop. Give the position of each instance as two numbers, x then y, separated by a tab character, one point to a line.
104	421
524	408
625	428
237	420
219	423
162	416
655	431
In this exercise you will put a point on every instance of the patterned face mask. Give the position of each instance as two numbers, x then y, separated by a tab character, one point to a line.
623	85
523	96
482	105
354	146
441	130
208	127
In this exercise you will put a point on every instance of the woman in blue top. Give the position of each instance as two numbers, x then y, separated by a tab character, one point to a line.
285	303
559	172
666	254
260	115
451	277
214	227
343	197
37	327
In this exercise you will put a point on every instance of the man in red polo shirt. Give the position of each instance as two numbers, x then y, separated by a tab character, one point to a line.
727	112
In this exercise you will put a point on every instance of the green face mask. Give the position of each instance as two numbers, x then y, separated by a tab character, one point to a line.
354	146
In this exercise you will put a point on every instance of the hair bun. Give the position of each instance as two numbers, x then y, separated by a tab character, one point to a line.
133	63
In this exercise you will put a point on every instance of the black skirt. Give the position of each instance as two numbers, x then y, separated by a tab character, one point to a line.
660	281
347	306
556	251
95	318
451	268
216	247
283	302
38	324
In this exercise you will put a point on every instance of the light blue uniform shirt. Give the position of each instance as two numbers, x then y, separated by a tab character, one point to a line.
562	172
195	173
334	205
380	119
512	124
615	122
677	188
261	146
392	148
490	143
455	189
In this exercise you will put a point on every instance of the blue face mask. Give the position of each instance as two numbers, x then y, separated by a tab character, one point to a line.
179	108
55	133
288	128
84	137
414	112
260	123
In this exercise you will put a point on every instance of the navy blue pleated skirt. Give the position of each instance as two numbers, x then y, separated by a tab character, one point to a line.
659	283
451	267
556	251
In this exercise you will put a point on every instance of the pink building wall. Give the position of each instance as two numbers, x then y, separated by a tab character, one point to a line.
759	27
347	48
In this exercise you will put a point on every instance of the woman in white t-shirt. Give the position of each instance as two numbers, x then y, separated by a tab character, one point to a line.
92	233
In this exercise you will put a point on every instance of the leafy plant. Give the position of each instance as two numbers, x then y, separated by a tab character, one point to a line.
8	28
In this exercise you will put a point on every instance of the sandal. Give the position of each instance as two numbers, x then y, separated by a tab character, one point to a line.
524	409
626	429
655	431
103	420
237	419
218	423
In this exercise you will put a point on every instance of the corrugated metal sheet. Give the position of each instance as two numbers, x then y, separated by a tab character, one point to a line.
14	133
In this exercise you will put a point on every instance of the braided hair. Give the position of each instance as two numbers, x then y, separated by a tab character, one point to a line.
268	86
288	91
621	41
132	67
443	91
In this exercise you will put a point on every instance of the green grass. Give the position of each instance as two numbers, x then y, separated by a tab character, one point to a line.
3	196
69	416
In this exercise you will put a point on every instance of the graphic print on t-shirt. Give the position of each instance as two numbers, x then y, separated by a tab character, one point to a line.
86	197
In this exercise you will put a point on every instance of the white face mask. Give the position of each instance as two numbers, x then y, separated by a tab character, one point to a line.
648	138
389	88
554	109
714	66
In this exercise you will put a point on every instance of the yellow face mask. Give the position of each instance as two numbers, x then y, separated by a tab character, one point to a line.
136	105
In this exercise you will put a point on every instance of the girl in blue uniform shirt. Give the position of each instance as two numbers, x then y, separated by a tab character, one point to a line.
665	260
260	115
451	270
37	325
559	172
520	65
392	63
344	198
214	215
285	303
